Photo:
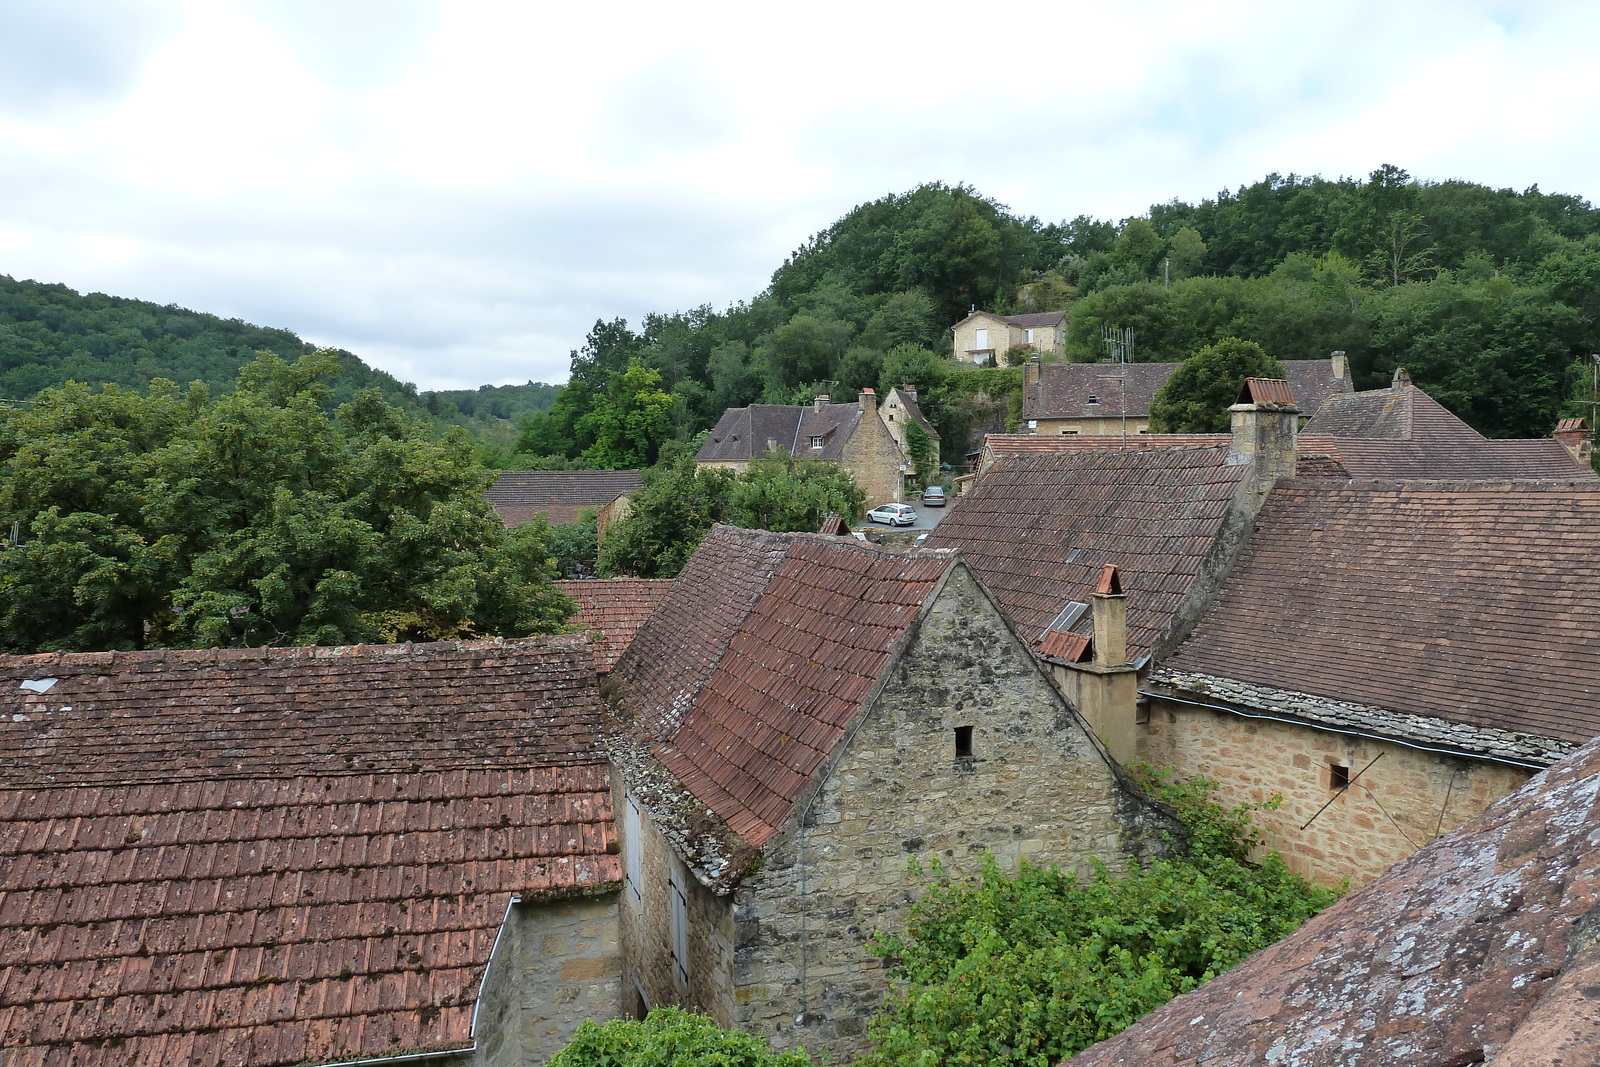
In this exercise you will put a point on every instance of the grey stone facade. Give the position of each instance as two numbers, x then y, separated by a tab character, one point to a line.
784	955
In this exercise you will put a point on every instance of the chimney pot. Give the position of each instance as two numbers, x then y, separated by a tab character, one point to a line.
1402	378
821	402
869	400
1341	366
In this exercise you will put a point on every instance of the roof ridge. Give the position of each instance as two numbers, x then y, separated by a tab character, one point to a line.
283	653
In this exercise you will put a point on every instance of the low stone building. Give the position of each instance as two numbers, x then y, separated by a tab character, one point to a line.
1114	398
984	337
264	857
562	496
800	717
900	409
852	435
1479	949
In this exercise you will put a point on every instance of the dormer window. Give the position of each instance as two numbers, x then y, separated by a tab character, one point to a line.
1093	399
816	442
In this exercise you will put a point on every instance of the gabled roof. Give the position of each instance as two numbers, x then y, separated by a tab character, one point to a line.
517	496
1016	444
1402	432
281	856
1478	948
744	434
611	610
1032	319
759	659
908	398
1038	528
1472	603
1064	389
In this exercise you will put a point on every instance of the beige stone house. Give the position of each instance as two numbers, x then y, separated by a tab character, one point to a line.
851	435
899	410
798	717
258	857
984	337
1388	655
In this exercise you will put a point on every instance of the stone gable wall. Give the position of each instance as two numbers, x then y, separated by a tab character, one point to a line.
1037	788
875	460
1406	799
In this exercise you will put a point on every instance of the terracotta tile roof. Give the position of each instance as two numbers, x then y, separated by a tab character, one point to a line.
517	496
794	631
744	434
611	610
1014	444
1273	391
282	857
1038	528
1479	948
1063	389
1473	603
1572	426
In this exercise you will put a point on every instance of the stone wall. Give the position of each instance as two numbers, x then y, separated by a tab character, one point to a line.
1109	426
556	964
1036	787
964	337
1401	803
875	460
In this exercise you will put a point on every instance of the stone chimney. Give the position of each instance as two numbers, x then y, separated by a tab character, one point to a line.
911	391
1030	374
869	400
1266	423
1402	379
820	402
1575	437
1106	690
1341	366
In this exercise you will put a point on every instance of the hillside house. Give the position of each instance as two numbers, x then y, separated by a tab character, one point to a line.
1478	949
1113	398
562	496
984	337
851	435
254	857
798	717
899	410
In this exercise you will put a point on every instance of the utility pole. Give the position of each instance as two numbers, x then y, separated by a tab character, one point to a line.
1166	271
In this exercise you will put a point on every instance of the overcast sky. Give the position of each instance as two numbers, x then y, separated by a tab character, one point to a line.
456	191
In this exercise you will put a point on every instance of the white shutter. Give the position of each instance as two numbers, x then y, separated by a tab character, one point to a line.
631	847
983	340
680	924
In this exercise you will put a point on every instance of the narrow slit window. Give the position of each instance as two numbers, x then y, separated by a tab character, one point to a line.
963	742
1338	776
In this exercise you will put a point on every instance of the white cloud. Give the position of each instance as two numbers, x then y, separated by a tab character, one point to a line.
457	191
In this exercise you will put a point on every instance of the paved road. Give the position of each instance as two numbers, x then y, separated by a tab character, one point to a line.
927	519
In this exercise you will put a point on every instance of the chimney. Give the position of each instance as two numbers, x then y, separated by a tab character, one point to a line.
869	400
1341	366
1266	423
1402	379
1030	374
911	391
1110	607
1575	438
820	402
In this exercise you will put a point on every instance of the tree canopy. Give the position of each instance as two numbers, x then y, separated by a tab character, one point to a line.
669	1037
170	518
1197	396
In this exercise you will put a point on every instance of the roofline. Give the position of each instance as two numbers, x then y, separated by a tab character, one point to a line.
404	1057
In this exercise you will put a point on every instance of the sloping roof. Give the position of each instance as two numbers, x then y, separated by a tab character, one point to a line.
1063	389
1471	602
1479	948
270	857
517	496
611	610
1016	444
788	634
1402	432
743	434
1038	528
1037	319
914	410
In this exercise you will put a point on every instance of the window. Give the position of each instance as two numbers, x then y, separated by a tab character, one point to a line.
1093	399
630	847
1028	336
677	882
1338	776
1069	431
982	341
963	742
816	442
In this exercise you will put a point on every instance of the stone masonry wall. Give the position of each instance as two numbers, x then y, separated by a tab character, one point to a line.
1036	787
875	460
1403	802
1109	426
557	964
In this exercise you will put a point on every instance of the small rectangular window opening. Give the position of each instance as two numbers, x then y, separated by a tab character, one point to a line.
963	742
1338	776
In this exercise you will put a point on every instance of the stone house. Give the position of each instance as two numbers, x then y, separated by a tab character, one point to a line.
984	337
1478	949
851	435
899	410
254	857
1284	632
799	717
561	496
1113	398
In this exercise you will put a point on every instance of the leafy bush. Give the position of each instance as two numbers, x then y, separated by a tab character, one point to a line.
1196	397
669	1037
1034	967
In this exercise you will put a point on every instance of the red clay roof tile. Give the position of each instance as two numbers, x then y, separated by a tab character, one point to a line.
611	610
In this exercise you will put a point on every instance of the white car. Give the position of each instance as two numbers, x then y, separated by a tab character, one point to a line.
894	514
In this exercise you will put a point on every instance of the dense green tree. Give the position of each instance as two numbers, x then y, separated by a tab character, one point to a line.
1186	254
905	318
805	349
628	429
669	1037
1197	396
783	494
256	518
1031	968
